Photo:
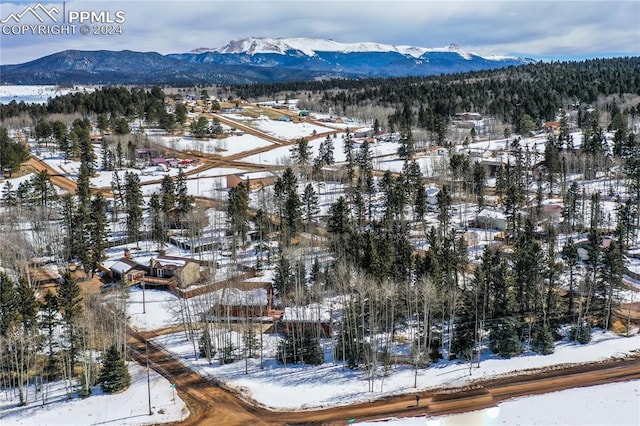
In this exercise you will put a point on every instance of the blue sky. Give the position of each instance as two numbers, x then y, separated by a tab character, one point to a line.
545	30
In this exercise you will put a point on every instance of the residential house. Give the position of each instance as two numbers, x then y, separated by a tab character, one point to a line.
314	318
363	133
551	127
241	301
124	270
256	180
491	219
172	271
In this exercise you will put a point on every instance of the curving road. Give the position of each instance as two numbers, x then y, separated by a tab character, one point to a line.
210	403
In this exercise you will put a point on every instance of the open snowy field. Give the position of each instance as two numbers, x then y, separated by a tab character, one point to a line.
35	94
130	407
230	145
615	404
282	155
287	129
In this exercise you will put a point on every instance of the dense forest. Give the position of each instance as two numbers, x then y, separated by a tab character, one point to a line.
535	90
514	298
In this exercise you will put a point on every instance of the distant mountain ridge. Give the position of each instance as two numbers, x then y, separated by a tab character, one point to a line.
251	60
310	46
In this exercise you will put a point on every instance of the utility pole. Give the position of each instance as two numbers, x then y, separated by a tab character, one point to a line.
146	355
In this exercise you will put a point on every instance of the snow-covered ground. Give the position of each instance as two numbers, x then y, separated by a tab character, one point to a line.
150	310
130	407
302	386
614	404
287	129
35	94
223	147
282	155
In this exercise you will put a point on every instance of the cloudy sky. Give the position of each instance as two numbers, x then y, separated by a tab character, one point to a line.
542	29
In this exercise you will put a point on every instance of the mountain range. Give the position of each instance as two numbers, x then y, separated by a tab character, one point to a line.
251	60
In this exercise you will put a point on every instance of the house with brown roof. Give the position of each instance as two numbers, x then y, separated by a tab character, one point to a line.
257	180
124	270
241	300
314	318
172	271
551	127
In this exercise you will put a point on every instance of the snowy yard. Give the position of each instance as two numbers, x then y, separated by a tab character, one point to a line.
127	408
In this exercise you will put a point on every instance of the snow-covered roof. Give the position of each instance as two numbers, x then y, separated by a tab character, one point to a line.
493	214
236	297
122	266
171	261
256	175
312	312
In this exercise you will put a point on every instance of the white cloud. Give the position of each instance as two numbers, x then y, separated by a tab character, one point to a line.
533	28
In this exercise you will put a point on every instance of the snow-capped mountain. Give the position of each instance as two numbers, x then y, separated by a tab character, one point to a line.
252	60
354	59
309	47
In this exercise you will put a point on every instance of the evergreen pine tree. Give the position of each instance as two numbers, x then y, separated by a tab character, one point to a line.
504	337
114	376
309	205
570	256
300	348
505	340
158	228
282	277
464	336
542	341
28	306
581	333
292	215
97	231
9	303
70	305
238	211
205	345
133	205
184	201
301	155
48	322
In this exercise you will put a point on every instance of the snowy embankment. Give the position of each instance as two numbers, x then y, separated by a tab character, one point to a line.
330	384
615	404
130	407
